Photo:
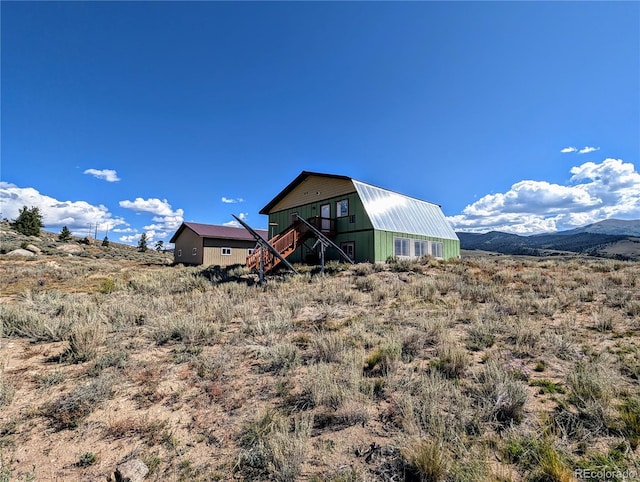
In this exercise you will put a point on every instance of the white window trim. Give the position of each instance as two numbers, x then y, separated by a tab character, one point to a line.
431	248
408	242
424	244
222	251
436	249
194	252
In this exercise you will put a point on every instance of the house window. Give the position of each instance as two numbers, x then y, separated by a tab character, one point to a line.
352	218
342	208
436	249
420	248
194	251
226	251
179	253
400	246
250	251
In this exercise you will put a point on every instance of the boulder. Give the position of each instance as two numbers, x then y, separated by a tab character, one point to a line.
20	252
33	249
71	248
133	470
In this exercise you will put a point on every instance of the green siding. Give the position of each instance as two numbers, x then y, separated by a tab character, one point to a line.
384	244
370	245
360	231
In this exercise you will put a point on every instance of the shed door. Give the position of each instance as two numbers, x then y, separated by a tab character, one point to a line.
325	214
349	248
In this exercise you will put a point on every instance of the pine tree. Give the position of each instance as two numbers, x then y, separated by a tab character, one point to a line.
105	242
159	245
65	234
28	222
142	244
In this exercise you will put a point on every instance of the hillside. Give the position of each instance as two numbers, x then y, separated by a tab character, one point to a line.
612	238
50	245
614	227
485	369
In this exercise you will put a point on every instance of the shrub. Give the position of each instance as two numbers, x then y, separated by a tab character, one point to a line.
481	335
383	359
630	416
25	321
49	379
68	411
499	396
274	446
547	386
7	391
84	341
87	459
551	464
117	359
283	357
28	222
107	286
327	347
65	234
452	361
591	386
425	460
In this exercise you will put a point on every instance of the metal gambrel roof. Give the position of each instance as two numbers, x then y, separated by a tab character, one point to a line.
390	211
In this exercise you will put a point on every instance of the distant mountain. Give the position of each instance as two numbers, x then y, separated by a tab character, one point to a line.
616	227
612	238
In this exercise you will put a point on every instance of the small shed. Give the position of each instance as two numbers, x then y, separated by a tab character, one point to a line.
211	245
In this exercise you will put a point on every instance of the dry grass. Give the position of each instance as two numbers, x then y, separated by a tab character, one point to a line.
419	370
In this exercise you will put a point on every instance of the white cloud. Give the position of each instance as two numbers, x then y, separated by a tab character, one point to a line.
76	215
164	214
231	200
130	238
568	149
151	205
595	192
108	175
235	223
587	150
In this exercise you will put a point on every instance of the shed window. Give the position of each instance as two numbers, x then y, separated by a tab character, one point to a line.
226	251
250	250
179	253
420	248
400	246
436	249
194	251
342	208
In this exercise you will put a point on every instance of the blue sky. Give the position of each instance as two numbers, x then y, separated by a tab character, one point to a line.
518	116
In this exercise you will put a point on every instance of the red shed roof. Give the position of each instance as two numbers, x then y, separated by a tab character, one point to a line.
215	231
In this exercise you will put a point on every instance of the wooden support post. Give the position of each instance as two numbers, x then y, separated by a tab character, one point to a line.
261	272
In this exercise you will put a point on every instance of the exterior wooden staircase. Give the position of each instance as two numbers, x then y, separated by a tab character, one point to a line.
284	243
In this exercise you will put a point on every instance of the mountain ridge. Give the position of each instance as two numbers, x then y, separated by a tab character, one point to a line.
612	238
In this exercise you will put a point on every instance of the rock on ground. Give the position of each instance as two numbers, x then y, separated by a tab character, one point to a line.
20	252
71	248
133	470
33	249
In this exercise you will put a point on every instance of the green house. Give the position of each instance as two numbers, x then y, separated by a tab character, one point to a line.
367	222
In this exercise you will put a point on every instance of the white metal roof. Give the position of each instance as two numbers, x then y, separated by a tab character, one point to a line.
390	211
